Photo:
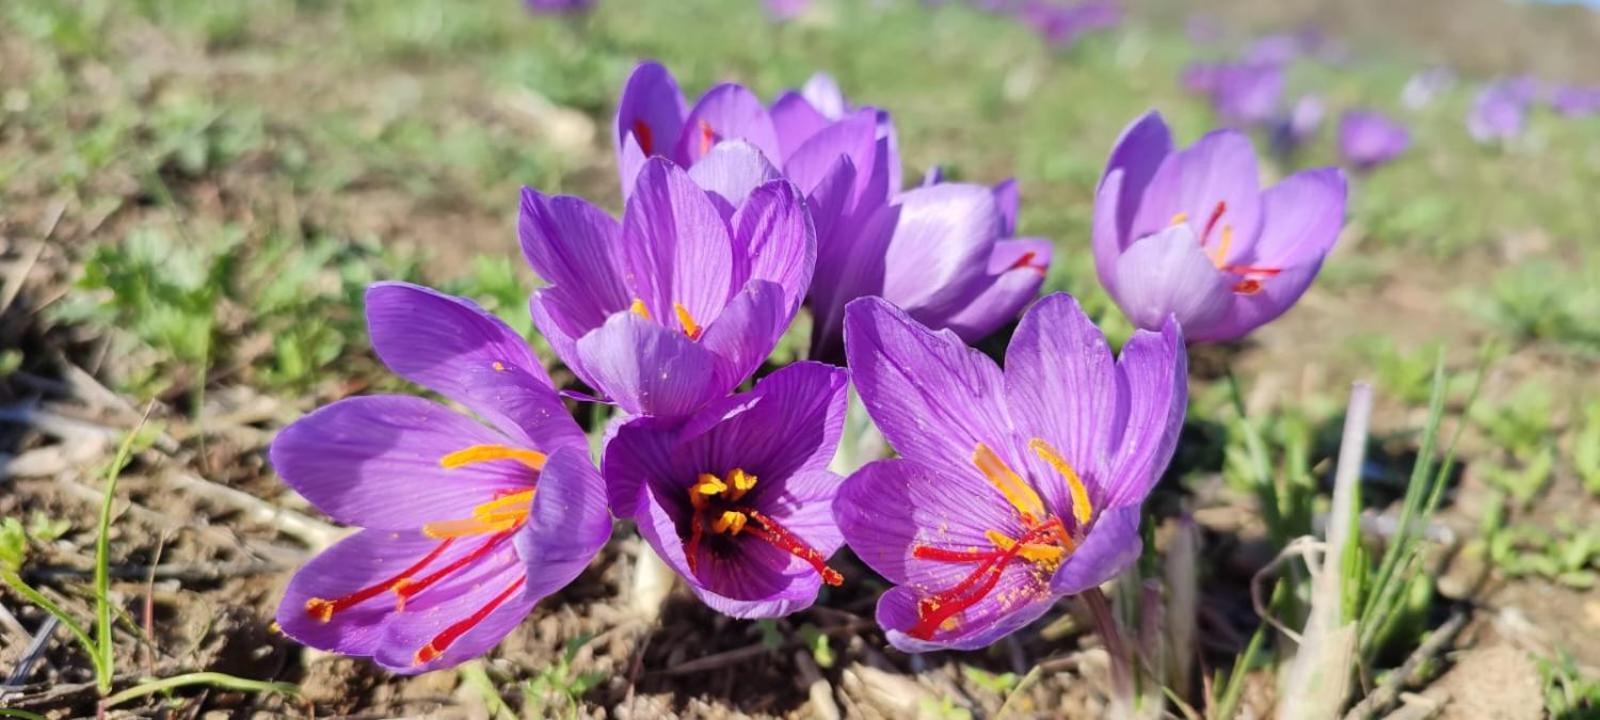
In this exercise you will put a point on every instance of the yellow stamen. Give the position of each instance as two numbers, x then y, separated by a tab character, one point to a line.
729	521
742	483
1081	507
1179	219
690	327
639	309
321	610
707	486
497	515
1221	258
499	366
1045	554
485	453
1017	491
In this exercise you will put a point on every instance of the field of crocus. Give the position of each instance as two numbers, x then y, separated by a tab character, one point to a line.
785	359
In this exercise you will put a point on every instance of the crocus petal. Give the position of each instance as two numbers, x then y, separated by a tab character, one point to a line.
1276	295
1112	546
651	111
574	245
775	241
1153	385
370	557
823	92
852	268
567	525
374	461
829	203
977	627
452	601
796	121
1301	219
1009	200
1017	270
455	348
1104	237
637	450
1136	155
727	112
888	507
1062	388
940	248
676	246
746	331
1170	274
1217	172
854	137
934	398
732	170
560	317
648	369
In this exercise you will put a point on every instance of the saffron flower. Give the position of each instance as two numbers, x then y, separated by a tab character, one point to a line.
1368	138
1499	112
945	252
1012	488
786	10
681	301
1248	94
464	526
1575	101
1190	232
545	7
738	499
1301	125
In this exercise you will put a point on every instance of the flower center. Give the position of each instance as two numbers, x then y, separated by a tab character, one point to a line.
1044	543
496	520
685	320
717	510
1252	275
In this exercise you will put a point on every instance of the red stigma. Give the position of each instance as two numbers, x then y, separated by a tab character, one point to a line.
934	610
406	588
323	610
708	137
1026	261
441	642
776	535
1211	223
641	133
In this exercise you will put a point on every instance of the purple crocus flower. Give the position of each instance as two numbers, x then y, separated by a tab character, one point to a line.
1013	488
464	526
1277	49
1304	119
1190	232
543	7
945	252
1368	138
1576	101
1061	25
681	301
1247	94
738	499
1499	113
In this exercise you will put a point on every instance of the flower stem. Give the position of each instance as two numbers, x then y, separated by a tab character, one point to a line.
1105	622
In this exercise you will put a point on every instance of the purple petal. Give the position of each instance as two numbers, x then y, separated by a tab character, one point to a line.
453	347
1062	388
676	248
574	245
1104	236
934	398
567	525
1112	546
650	111
1017	270
1137	154
1153	384
561	320
746	331
774	232
823	92
732	170
1214	178
649	369
1169	274
727	112
1301	219
977	627
1009	200
852	268
639	449
1276	295
374	627
375	462
452	601
940	248
796	121
854	137
829	203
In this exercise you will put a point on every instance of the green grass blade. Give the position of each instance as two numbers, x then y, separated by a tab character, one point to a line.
213	679
49	606
103	649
